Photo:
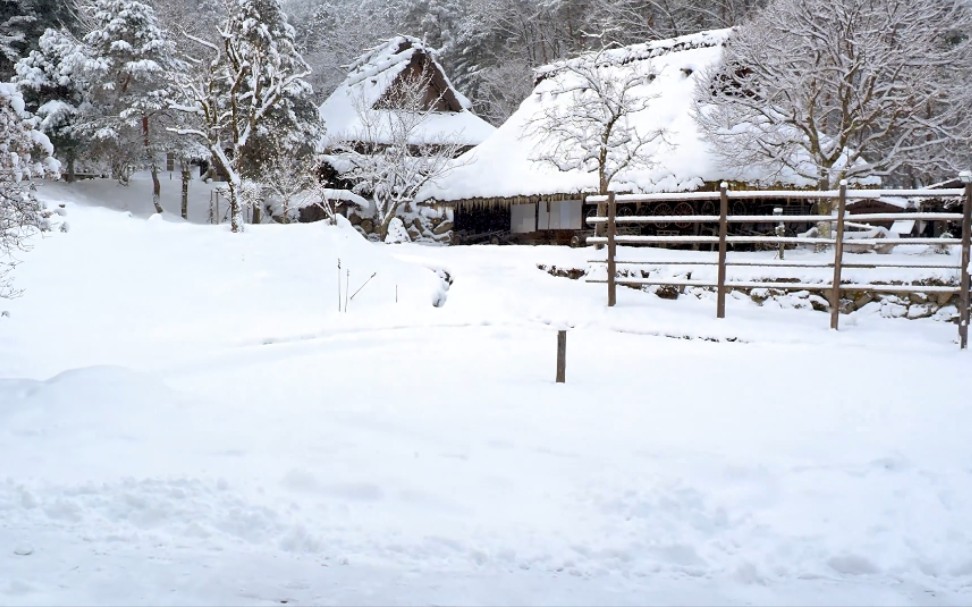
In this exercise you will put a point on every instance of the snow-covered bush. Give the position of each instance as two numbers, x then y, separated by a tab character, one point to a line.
396	232
25	153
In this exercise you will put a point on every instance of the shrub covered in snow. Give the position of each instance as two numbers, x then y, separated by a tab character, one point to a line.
25	153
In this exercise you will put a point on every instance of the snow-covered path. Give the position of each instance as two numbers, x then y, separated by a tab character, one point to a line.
245	446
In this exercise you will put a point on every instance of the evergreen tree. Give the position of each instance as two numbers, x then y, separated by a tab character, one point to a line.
51	82
130	69
22	22
251	97
15	20
291	125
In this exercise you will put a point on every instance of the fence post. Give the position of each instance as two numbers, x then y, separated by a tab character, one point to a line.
599	228
612	230
561	356
966	241
780	231
723	230
838	256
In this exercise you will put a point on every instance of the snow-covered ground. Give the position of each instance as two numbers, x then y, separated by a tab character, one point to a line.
186	418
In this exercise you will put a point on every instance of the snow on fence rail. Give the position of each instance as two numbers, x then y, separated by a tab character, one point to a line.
834	289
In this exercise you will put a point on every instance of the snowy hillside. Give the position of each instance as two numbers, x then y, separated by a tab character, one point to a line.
187	418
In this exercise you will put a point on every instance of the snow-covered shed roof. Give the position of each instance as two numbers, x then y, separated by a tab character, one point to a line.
509	164
358	110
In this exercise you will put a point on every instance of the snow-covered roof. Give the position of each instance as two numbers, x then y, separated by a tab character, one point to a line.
898	201
509	163
354	111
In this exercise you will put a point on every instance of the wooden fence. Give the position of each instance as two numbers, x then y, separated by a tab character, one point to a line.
836	286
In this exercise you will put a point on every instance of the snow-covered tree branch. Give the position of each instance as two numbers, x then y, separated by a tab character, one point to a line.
398	148
25	154
588	124
251	87
843	90
51	80
129	65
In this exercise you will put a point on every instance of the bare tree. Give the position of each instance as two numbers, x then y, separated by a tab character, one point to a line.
588	122
332	33
398	150
633	21
831	90
291	181
501	88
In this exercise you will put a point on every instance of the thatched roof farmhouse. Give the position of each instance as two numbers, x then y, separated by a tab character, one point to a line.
366	99
506	184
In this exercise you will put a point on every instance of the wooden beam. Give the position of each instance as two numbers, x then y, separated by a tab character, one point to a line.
612	229
838	256
966	241
723	229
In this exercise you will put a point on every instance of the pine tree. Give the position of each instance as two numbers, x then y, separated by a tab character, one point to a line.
130	68
291	125
51	83
15	20
251	94
22	22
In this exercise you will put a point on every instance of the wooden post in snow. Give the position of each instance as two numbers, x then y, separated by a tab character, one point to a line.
599	228
723	230
612	248
561	356
838	257
966	241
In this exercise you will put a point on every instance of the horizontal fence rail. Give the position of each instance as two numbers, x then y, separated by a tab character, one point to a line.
623	239
776	194
792	286
639	219
607	222
783	264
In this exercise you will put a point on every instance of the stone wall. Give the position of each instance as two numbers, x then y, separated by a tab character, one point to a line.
424	224
938	306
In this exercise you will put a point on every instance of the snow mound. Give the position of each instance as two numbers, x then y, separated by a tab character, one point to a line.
80	392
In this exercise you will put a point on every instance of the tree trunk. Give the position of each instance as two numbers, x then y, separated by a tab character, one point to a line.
186	171
257	216
156	184
70	175
236	209
156	189
383	226
824	206
600	229
223	165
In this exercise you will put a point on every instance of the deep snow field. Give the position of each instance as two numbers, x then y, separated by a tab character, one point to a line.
187	418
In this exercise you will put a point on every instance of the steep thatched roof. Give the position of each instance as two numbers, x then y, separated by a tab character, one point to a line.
358	108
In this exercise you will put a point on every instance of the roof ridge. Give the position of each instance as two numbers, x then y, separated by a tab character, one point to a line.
640	51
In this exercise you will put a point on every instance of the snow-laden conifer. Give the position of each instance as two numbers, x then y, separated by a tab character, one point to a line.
248	95
51	80
130	66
